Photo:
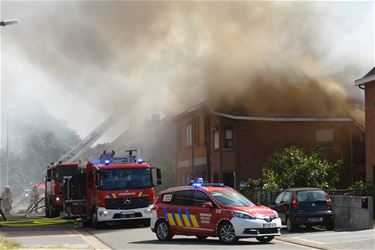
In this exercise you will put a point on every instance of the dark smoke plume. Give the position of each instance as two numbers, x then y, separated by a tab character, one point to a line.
267	58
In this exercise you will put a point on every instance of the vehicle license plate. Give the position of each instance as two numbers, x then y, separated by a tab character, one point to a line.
128	212
269	225
319	219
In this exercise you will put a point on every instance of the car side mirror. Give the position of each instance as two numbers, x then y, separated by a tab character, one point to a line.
207	204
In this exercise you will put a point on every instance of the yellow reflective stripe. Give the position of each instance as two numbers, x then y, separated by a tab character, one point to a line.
140	194
186	220
114	196
178	219
194	221
171	220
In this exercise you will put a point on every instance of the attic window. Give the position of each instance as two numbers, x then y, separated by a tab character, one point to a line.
324	135
324	138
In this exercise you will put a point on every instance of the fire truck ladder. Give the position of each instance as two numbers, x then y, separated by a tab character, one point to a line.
74	154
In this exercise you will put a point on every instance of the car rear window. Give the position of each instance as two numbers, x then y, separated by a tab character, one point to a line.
311	195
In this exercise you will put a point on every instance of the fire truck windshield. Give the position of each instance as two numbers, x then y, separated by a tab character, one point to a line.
130	178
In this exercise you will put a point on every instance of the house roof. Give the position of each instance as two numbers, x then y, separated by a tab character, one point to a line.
369	77
239	116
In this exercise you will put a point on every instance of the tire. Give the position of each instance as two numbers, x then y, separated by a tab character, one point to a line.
290	226
265	239
163	231
226	233
330	226
55	213
201	237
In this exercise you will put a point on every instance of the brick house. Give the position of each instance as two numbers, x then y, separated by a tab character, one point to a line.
368	84
228	148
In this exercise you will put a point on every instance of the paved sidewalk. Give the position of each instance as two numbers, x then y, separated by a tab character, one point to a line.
59	236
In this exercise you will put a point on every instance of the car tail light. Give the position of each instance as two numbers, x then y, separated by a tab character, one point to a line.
329	202
295	203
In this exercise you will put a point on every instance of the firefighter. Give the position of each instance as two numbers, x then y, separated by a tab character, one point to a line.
6	202
34	196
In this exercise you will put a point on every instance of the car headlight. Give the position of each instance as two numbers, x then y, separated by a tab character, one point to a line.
243	215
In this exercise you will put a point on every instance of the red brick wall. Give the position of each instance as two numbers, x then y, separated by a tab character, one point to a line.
196	152
255	141
370	130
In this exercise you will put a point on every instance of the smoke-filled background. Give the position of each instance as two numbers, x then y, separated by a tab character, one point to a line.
81	61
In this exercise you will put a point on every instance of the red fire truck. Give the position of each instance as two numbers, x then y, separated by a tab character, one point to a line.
56	172
118	189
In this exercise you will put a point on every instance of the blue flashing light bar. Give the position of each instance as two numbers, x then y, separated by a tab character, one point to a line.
197	184
106	162
140	161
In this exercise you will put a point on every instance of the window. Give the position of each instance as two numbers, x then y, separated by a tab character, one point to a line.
216	140
228	138
183	198
179	144
279	198
196	131
200	198
311	195
188	135
324	135
286	198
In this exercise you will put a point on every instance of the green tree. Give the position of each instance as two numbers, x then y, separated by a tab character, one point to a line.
292	167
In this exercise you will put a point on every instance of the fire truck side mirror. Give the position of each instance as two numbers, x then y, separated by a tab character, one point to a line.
158	174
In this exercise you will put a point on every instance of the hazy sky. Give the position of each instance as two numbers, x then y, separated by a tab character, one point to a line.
84	60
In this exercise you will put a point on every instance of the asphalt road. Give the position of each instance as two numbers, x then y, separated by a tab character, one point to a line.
137	237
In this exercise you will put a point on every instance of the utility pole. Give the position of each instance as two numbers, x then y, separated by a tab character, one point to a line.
5	23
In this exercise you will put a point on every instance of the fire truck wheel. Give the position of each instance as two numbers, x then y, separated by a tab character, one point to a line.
226	233
163	231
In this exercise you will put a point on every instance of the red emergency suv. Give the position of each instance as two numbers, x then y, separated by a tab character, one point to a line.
213	210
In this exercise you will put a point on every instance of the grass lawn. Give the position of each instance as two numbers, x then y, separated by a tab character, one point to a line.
8	244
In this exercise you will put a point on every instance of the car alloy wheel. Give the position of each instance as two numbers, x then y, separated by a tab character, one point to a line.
226	233
162	231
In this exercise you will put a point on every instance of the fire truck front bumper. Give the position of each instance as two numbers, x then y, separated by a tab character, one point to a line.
104	214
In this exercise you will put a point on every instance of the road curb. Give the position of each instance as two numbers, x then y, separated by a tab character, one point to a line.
304	243
92	240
